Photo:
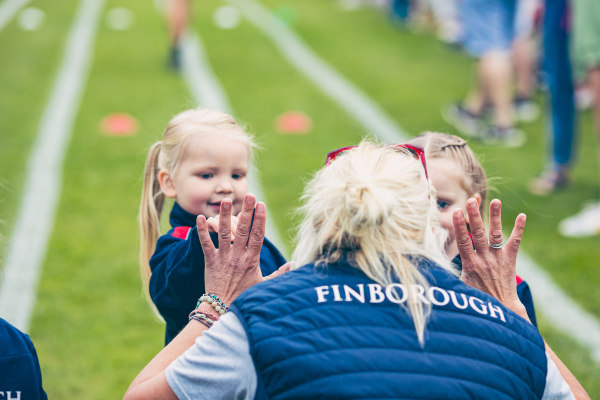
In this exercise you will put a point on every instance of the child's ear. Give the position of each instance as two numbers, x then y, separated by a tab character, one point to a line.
166	184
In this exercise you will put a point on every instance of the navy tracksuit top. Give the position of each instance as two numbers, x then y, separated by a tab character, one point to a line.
20	374
177	266
333	333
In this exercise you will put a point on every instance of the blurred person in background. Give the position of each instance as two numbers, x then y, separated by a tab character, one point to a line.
558	79
488	31
525	51
178	13
586	57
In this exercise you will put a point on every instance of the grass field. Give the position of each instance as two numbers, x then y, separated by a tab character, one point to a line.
91	325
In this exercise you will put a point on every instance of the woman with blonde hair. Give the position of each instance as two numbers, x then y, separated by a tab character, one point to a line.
372	308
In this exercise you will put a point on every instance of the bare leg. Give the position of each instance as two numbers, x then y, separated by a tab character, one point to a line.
524	63
177	19
494	77
178	15
476	98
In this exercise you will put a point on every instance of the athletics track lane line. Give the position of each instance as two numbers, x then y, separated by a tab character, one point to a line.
562	311
35	218
8	9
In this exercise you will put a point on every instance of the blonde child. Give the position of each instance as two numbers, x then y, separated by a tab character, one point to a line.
457	175
202	159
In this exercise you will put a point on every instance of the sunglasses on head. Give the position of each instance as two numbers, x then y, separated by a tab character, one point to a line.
417	152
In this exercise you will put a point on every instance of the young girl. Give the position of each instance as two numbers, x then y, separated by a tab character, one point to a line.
202	159
457	175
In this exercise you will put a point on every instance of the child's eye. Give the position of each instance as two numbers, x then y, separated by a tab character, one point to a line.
442	205
206	175
237	176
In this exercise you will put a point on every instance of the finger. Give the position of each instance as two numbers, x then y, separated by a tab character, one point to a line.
244	223
207	245
282	270
495	235
480	239
257	235
213	224
514	241
463	240
225	226
234	223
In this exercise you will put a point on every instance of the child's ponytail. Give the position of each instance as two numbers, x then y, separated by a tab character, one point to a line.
151	207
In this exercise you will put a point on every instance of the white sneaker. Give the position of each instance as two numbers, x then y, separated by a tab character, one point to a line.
586	223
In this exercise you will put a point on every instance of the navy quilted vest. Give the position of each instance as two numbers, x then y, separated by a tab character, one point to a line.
333	333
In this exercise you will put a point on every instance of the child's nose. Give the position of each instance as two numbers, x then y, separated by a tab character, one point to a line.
225	186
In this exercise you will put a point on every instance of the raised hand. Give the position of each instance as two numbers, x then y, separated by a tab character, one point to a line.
234	266
488	265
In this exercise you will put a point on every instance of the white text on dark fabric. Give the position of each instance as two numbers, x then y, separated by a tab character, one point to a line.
397	293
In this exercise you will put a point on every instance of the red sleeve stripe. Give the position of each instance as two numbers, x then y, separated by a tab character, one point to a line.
181	232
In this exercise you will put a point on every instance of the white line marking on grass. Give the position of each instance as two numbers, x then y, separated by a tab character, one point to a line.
556	305
35	219
331	83
8	9
208	93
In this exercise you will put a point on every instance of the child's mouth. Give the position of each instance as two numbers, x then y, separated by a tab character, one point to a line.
215	206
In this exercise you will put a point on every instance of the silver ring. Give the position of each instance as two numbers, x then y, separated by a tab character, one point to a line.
496	246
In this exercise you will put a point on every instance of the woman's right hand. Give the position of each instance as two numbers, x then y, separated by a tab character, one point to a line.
488	265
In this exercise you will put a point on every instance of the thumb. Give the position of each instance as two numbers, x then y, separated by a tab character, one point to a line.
282	270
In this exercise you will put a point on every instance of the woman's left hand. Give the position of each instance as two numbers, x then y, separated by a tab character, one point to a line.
490	266
234	266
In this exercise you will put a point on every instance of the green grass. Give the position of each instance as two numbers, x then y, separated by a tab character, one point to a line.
91	326
29	62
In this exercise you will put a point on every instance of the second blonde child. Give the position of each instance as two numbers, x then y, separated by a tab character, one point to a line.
457	175
203	158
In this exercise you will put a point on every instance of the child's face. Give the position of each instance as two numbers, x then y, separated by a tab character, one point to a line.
447	178
214	167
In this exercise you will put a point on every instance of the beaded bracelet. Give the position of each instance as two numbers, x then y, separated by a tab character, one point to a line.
207	319
214	301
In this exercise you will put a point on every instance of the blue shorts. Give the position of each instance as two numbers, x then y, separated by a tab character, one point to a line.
488	25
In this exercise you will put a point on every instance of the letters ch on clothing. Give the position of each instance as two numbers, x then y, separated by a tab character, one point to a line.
398	294
10	395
